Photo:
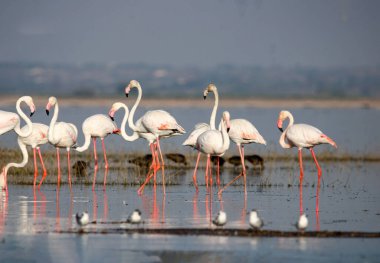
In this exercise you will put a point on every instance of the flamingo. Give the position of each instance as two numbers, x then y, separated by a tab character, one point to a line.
214	142
38	137
151	126
97	126
61	135
301	136
202	127
243	132
11	121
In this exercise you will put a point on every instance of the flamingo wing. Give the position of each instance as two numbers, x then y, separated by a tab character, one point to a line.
243	131
8	121
304	135
198	130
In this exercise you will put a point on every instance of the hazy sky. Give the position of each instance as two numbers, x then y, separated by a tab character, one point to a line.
196	32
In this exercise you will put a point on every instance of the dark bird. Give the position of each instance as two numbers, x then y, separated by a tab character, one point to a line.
214	160
177	158
80	168
255	160
142	161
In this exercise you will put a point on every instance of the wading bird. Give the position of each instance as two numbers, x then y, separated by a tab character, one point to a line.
97	126
152	126
301	136
214	143
201	128
61	135
220	219
255	221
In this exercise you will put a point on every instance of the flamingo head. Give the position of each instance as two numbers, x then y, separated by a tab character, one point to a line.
29	101
115	107
210	88
132	84
226	119
52	101
281	117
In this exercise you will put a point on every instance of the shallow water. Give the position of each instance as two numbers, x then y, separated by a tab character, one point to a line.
348	200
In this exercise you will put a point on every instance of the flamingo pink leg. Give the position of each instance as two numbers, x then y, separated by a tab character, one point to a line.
301	206
300	162
35	167
104	152
162	165
206	174
231	182
68	166
218	171
210	172
195	172
43	167
241	152
59	168
152	166
94	180
95	155
105	179
316	162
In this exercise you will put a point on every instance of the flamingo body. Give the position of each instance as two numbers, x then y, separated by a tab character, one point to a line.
64	135
304	136
243	132
198	130
8	121
38	137
99	125
161	124
211	142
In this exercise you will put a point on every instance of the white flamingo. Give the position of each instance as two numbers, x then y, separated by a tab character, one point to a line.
301	136
243	132
97	126
11	121
38	137
214	143
202	127
158	123
61	135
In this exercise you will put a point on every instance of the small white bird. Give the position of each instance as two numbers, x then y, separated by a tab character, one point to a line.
135	217
220	219
254	220
82	218
302	222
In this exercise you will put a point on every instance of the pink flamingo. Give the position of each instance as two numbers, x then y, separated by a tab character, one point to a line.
11	121
243	132
38	137
214	142
61	135
97	126
202	127
158	123
301	136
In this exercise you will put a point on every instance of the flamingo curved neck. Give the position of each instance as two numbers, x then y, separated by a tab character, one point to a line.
25	118
133	110
125	136
283	142
214	110
52	123
87	142
225	137
24	157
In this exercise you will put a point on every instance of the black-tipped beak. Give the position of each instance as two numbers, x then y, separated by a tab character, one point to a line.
281	129
126	95
31	114
228	129
112	118
204	97
47	112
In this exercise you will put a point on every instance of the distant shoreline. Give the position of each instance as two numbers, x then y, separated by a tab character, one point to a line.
192	102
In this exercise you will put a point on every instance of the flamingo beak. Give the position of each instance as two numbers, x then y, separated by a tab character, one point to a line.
112	118
47	112
31	113
117	131
111	114
204	97
279	125
127	90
